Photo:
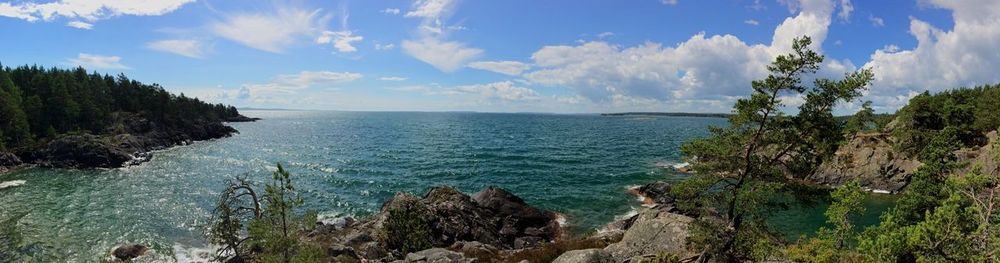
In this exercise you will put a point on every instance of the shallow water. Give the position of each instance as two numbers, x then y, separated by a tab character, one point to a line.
348	163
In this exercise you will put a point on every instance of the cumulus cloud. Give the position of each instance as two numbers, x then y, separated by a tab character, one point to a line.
341	40
184	47
702	69
80	25
91	61
271	31
447	56
943	59
90	10
288	88
512	68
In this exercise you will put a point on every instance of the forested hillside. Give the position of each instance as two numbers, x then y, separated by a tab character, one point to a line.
39	107
39	103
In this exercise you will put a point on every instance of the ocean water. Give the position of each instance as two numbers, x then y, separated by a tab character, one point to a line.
348	163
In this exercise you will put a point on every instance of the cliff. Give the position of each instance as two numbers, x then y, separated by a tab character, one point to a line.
871	159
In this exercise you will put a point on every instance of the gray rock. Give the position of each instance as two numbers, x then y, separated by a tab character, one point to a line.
129	252
594	255
871	159
436	255
654	231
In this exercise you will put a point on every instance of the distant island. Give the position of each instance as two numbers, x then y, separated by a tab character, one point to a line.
68	118
670	114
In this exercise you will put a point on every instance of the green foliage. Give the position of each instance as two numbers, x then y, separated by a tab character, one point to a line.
939	218
38	103
662	258
263	228
832	245
971	112
742	168
863	120
405	228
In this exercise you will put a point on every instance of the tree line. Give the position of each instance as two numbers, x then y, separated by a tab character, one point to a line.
37	104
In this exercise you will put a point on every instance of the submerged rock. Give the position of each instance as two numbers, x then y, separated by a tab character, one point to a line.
129	252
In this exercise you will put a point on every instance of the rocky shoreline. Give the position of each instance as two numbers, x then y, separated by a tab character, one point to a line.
494	225
130	140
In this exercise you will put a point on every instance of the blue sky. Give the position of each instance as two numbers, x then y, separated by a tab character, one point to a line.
505	56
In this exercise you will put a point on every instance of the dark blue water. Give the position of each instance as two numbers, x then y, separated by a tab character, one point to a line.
348	163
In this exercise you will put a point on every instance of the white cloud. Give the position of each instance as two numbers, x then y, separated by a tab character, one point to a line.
446	56
669	2
876	21
274	31
432	46
603	35
504	90
512	68
430	9
392	78
80	25
390	11
380	46
184	47
91	61
341	40
288	89
703	71
964	56
751	22
90	10
845	10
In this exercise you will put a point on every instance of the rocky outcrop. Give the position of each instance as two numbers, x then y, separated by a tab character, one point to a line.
491	220
653	231
130	140
8	160
594	255
871	159
435	255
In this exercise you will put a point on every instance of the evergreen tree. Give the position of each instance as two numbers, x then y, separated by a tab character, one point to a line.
742	168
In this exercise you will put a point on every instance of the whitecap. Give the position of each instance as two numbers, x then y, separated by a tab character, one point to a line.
12	183
192	254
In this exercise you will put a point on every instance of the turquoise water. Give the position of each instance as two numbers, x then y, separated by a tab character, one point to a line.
348	163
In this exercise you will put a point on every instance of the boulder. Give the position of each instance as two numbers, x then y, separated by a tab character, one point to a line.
654	231
594	255
871	159
129	252
436	255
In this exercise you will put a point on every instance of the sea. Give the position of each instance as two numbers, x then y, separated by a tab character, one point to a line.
346	164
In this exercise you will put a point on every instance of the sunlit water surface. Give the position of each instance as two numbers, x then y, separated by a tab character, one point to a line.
348	163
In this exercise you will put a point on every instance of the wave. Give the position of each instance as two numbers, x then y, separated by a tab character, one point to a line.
12	183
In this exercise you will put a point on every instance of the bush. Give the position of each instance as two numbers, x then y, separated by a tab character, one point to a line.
406	230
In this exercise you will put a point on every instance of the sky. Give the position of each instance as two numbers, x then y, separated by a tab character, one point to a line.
561	56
